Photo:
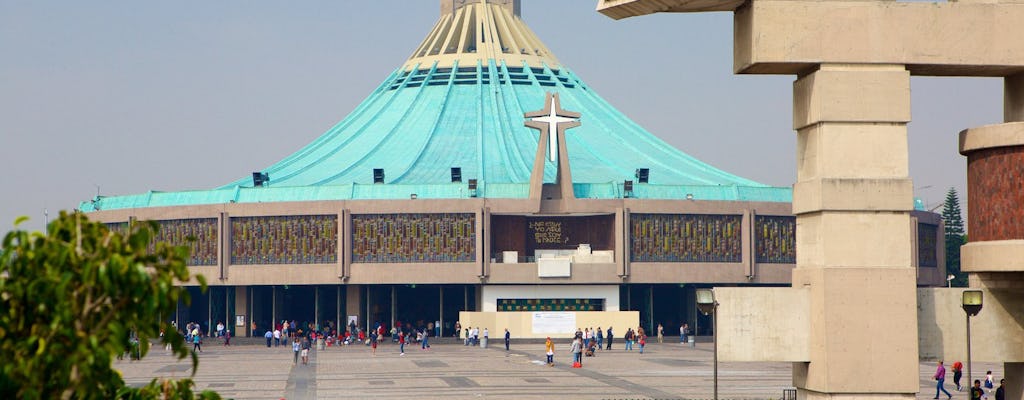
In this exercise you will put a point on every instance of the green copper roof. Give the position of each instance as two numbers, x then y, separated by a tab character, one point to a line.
424	120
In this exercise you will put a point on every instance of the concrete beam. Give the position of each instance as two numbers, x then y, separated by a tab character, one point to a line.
619	9
939	39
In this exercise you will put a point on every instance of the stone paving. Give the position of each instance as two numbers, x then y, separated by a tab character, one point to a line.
453	371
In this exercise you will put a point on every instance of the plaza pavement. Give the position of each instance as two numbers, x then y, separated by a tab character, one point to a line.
449	370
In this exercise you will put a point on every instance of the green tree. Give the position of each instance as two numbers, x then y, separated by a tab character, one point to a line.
955	237
72	297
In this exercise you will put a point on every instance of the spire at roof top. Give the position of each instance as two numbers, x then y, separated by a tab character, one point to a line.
448	7
471	32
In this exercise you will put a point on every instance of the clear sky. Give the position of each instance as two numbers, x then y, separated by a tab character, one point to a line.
123	97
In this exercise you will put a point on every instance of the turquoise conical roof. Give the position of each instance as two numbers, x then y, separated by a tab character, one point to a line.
458	102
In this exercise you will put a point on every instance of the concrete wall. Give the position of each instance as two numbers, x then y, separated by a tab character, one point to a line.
763	324
520	324
997	332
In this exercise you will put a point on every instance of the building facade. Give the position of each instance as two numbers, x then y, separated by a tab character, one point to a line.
481	175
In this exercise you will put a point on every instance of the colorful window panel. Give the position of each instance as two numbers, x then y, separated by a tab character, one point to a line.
775	239
410	238
685	238
294	239
927	245
550	304
119	227
198	234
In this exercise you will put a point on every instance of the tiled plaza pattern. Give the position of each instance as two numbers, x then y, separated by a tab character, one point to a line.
453	371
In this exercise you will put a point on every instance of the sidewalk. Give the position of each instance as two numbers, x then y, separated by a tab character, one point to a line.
453	371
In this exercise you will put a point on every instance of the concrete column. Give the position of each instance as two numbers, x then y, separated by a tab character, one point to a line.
852	200
1013	98
241	308
353	302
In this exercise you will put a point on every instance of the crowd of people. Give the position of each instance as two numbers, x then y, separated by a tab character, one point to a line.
978	391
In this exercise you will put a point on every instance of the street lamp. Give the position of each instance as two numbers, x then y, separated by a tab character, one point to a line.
971	302
706	304
949	280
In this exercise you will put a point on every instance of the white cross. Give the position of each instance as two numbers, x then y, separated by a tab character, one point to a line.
553	120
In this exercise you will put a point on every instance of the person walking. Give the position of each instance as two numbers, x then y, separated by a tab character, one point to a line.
305	350
661	333
611	336
487	335
989	382
600	338
227	337
508	339
549	349
277	337
1001	392
401	343
295	349
940	380
629	339
977	393
643	342
270	337
958	372
374	338
425	345
197	341
577	352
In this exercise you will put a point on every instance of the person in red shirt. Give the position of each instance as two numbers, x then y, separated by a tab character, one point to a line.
958	372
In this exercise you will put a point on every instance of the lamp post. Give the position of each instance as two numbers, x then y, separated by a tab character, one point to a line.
706	304
971	301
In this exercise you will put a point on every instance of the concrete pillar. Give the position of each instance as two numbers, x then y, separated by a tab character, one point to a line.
1013	98
1014	386
852	200
241	308
353	302
995	216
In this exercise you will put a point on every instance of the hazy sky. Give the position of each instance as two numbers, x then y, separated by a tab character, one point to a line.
123	97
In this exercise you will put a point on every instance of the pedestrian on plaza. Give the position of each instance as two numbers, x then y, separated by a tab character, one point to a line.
220	329
661	333
374	338
467	340
458	330
977	393
611	336
600	338
682	333
508	339
630	336
425	345
227	337
643	342
958	372
940	380
487	335
269	336
305	350
1001	392
277	337
577	353
295	349
586	337
197	341
989	382
549	349
401	343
